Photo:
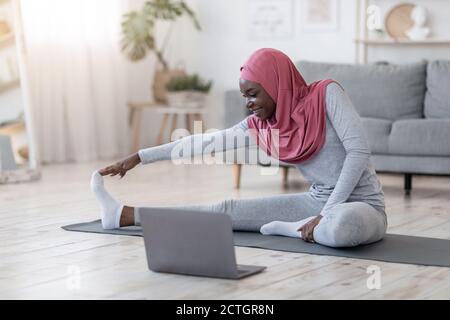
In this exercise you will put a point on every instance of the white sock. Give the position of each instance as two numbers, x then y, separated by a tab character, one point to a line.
282	228
110	208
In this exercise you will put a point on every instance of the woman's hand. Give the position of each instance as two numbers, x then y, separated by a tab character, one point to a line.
122	166
308	229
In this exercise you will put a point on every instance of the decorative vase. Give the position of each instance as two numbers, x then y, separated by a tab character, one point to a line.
160	80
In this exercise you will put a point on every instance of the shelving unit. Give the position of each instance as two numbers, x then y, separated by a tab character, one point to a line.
5	86
5	42
363	41
17	127
20	129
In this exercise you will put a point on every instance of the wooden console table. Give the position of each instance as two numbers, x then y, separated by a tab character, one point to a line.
135	119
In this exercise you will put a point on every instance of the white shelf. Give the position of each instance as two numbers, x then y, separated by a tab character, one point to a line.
5	86
381	42
7	40
13	127
181	110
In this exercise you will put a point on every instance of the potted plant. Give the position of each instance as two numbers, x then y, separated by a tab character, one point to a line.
138	37
187	91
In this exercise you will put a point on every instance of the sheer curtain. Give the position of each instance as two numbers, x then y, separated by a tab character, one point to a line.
78	78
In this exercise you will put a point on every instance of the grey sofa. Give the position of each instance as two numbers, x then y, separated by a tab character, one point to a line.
405	110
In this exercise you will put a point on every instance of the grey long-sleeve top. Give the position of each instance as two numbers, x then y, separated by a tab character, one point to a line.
340	172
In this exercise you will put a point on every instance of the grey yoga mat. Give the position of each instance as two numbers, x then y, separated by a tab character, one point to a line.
393	248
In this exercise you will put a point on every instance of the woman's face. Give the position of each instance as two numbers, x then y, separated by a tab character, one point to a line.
257	99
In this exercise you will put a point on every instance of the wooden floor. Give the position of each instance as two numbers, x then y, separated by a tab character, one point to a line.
39	260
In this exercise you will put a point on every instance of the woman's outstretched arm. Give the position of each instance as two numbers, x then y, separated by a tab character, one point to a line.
232	138
198	144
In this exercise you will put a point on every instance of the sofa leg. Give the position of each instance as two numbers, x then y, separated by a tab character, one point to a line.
237	175
285	171
408	183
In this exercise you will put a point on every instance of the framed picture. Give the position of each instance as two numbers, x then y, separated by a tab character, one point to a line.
269	19
319	15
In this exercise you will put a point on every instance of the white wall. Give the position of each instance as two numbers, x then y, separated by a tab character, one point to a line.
223	45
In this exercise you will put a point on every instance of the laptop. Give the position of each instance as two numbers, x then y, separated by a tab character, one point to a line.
191	242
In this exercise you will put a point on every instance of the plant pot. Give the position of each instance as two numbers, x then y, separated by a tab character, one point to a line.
186	99
160	80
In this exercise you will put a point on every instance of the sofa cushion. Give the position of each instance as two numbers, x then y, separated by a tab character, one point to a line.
413	164
377	132
384	91
437	97
424	137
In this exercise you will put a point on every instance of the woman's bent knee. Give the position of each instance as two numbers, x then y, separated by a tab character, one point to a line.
351	225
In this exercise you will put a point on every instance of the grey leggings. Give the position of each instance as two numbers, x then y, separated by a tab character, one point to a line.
349	224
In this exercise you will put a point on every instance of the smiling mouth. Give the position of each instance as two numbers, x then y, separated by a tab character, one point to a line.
256	110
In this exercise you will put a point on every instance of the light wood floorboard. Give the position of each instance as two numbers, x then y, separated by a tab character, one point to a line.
39	260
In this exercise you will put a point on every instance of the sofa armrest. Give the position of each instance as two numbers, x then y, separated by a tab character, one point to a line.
235	110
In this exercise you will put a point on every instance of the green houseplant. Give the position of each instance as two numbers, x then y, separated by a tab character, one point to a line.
187	91
138	38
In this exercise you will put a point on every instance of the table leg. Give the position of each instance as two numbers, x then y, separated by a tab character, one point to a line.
159	141
188	123
285	171
199	117
174	125
237	175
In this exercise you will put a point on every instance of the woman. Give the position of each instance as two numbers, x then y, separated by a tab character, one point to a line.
318	130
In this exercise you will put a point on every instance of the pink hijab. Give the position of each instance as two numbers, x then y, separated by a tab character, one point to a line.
300	114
